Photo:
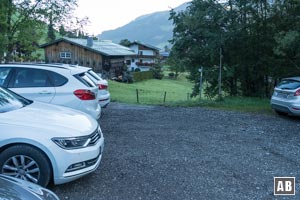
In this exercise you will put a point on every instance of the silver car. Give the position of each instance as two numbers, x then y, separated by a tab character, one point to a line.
13	188
286	97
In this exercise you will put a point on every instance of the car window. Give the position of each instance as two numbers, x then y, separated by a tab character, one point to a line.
288	84
10	101
57	79
83	77
27	77
92	78
4	71
94	75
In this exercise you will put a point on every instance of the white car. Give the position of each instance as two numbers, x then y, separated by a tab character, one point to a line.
103	93
286	97
70	87
41	142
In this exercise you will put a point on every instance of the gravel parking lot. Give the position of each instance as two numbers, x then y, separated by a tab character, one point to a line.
155	152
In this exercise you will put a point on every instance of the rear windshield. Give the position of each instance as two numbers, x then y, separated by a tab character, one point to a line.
94	75
85	79
288	84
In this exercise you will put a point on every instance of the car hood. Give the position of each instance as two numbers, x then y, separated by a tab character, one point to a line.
13	188
54	118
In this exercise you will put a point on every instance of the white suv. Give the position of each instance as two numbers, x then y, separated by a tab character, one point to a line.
42	142
70	87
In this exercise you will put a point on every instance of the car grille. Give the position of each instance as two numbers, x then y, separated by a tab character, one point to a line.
95	137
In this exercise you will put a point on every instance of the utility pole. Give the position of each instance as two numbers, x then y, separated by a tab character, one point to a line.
200	84
220	74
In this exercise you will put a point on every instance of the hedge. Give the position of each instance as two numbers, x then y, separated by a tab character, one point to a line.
140	76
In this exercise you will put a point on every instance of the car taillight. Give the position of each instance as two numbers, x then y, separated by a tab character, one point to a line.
102	87
85	94
297	93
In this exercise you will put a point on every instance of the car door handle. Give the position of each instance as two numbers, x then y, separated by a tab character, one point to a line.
44	92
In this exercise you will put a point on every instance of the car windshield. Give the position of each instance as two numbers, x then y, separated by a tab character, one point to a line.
11	101
288	84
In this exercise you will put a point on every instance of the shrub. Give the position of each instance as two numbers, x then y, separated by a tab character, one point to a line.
140	76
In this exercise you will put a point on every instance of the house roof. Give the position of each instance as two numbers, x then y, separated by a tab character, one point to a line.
104	47
146	45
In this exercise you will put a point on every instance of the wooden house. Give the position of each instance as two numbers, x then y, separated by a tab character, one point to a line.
103	56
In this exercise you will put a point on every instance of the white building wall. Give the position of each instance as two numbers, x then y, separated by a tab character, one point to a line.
135	48
142	53
147	52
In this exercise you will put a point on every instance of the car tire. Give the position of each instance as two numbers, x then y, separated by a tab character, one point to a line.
27	163
281	113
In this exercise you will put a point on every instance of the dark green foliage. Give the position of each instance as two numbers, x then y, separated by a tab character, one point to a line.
259	42
157	70
137	69
141	76
22	24
125	42
51	31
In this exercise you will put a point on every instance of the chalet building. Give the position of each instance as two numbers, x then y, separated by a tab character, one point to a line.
103	56
144	58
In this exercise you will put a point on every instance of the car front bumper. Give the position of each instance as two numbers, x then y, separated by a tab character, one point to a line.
88	159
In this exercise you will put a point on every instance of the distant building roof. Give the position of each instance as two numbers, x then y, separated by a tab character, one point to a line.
104	47
146	45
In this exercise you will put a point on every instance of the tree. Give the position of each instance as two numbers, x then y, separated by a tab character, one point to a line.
255	39
21	16
125	42
51	31
176	66
157	70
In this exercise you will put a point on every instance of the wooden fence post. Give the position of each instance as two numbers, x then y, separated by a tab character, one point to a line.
165	95
137	96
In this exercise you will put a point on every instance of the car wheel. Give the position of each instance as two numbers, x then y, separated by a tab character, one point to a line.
281	113
27	163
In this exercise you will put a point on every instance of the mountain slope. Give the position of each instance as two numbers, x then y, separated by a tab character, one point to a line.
154	29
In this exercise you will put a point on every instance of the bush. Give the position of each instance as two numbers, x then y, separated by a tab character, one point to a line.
157	71
171	74
140	76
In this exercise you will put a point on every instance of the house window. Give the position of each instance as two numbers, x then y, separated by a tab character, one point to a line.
141	53
65	54
128	62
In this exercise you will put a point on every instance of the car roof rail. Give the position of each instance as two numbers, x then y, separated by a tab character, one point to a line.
41	64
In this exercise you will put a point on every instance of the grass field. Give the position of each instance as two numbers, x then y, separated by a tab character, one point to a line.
152	92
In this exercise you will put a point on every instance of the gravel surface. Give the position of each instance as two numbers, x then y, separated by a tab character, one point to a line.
154	152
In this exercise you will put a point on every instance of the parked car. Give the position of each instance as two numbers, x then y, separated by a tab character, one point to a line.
70	87
103	93
41	142
13	188
286	97
103	96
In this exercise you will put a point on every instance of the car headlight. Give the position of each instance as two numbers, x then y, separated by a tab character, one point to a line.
72	143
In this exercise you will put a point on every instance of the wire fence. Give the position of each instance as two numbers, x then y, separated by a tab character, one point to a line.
159	97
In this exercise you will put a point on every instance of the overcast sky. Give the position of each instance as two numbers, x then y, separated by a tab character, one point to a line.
110	14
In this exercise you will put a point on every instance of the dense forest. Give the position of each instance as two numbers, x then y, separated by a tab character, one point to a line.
246	45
